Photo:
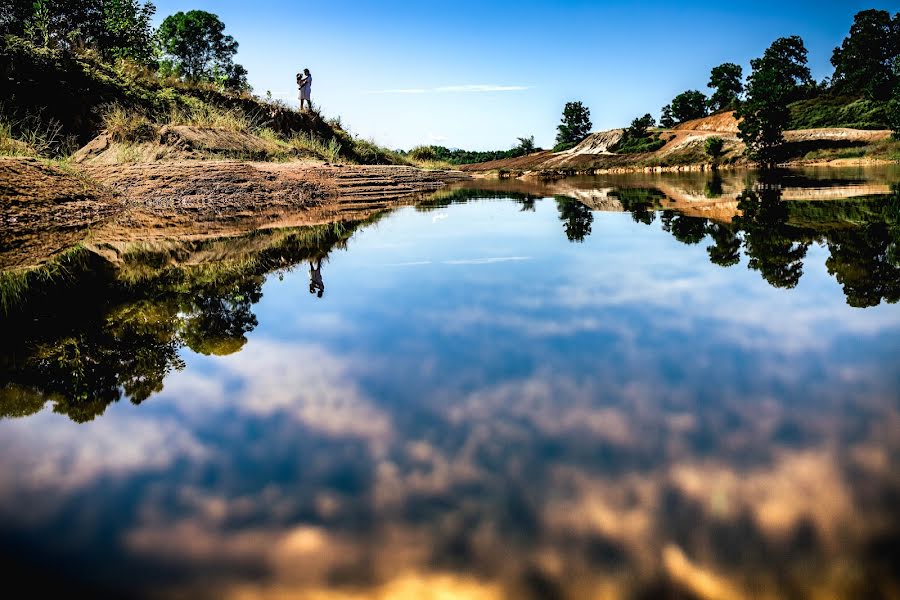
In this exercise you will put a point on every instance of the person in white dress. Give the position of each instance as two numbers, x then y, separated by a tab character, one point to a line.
305	83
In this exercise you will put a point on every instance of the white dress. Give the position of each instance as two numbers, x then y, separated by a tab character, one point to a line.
305	87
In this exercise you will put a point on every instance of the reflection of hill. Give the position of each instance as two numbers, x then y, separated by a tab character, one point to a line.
773	221
708	195
116	322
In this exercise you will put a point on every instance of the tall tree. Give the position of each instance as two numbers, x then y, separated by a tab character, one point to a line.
688	105
788	57
126	30
727	81
666	119
864	62
196	47
575	124
776	80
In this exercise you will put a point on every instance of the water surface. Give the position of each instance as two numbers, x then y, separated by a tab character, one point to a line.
622	387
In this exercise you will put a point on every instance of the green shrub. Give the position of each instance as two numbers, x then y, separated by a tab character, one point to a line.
714	147
423	153
562	147
629	145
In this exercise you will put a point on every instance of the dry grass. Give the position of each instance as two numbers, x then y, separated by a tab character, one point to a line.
124	125
33	136
200	114
305	143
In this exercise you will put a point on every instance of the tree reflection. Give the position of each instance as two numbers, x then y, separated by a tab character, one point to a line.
576	217
687	230
767	241
726	249
124	332
221	318
641	203
863	237
864	263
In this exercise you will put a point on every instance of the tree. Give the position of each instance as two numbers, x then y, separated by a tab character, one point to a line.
688	105
787	57
893	114
526	145
863	64
127	32
772	85
114	28
575	124
727	80
639	126
196	48
666	119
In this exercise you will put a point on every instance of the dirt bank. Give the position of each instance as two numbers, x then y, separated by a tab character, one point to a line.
684	150
47	209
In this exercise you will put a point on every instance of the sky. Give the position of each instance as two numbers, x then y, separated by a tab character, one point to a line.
477	75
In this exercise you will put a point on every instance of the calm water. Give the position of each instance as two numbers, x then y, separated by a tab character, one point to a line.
499	394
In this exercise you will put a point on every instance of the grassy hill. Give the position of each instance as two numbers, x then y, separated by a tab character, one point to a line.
53	102
838	111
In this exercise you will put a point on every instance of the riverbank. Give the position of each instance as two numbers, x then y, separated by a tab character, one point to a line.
49	207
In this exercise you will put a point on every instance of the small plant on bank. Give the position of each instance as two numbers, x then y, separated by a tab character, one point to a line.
714	148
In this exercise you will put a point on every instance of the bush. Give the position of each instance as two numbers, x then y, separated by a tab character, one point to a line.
562	147
714	147
423	153
629	145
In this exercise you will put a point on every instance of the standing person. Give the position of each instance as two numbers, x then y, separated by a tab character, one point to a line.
305	83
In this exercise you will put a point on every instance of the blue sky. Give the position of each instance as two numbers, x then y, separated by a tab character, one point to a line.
479	74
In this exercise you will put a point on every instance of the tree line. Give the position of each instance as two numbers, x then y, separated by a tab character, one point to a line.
866	65
190	45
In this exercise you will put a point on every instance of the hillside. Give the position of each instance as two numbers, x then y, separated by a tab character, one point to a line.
60	101
684	149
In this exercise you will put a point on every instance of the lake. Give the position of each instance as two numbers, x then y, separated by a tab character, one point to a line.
632	386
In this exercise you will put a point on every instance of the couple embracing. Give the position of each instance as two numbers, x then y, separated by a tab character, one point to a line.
304	82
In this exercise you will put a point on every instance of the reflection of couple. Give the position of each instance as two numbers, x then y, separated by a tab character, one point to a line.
316	284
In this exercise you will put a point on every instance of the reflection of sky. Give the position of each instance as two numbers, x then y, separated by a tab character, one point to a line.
587	417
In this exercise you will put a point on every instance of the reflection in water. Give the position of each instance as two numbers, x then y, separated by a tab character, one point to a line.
124	329
576	217
617	418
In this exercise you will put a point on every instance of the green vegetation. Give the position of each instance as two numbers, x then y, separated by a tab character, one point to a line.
114	29
714	147
195	47
838	111
123	327
777	78
684	107
440	155
637	137
575	124
866	61
727	81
